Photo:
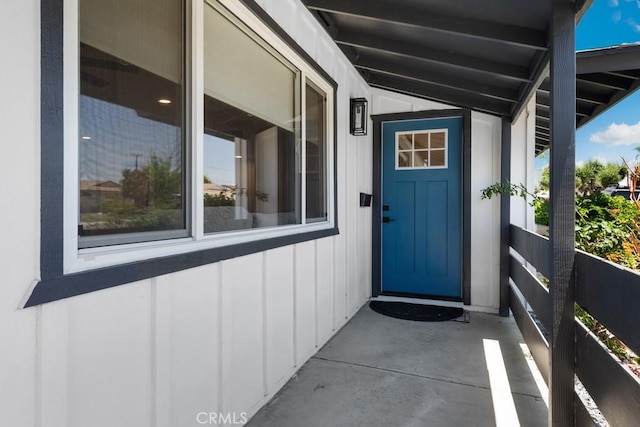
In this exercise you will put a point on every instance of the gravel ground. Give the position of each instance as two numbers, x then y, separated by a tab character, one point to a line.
598	419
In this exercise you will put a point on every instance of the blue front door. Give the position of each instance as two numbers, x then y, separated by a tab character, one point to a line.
422	207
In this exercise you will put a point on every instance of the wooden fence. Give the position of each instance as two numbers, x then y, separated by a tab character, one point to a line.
609	293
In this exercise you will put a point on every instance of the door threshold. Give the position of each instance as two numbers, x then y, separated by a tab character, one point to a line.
422	301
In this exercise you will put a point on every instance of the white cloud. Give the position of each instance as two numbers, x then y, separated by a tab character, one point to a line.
580	163
618	134
633	24
617	16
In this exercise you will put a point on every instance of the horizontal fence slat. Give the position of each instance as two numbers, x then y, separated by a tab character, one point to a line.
532	336
615	390
533	247
583	418
610	293
534	292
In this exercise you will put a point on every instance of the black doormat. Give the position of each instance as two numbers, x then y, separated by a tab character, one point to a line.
417	312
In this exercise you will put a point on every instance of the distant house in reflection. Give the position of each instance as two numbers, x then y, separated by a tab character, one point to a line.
213	188
95	191
93	185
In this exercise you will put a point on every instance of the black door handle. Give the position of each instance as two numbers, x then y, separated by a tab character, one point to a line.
387	219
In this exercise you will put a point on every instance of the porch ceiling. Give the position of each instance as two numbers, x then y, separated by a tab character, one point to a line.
604	77
486	56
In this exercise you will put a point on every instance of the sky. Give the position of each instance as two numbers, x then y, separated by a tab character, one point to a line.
616	132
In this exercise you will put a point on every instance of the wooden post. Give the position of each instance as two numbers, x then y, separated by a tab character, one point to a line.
505	217
562	213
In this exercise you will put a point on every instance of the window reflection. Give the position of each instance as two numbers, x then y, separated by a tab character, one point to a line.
131	120
250	171
315	155
251	119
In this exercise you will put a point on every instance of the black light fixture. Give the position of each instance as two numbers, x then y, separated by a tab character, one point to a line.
358	116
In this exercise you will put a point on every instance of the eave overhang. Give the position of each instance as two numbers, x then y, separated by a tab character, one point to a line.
485	56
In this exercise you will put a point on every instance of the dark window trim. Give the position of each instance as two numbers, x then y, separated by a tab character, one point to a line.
56	288
376	250
54	284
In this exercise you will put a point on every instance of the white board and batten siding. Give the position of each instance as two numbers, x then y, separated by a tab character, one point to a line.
522	165
19	211
223	337
219	338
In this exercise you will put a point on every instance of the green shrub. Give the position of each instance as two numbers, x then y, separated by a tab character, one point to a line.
541	209
603	225
221	199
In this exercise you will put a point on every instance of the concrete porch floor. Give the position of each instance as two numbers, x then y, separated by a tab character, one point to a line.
381	371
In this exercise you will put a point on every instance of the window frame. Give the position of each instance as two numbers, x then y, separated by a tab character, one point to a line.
87	244
427	150
67	271
325	164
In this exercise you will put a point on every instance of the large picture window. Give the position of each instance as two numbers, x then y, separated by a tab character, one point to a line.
134	139
174	134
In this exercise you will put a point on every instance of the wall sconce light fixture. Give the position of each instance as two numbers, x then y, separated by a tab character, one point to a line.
358	116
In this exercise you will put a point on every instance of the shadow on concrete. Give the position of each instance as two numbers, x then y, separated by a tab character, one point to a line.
381	371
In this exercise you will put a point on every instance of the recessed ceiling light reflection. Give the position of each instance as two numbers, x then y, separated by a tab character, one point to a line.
86	138
164	101
238	157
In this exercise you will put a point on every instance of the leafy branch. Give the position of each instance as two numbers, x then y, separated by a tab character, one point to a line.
509	188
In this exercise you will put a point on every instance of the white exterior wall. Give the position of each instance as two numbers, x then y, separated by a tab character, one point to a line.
522	164
486	135
19	211
219	338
